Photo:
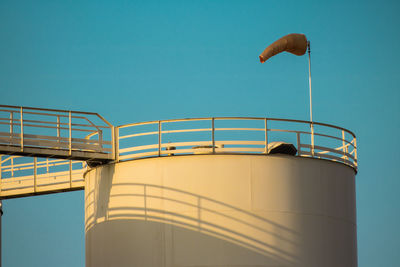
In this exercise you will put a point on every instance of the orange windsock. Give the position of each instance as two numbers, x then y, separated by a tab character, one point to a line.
294	43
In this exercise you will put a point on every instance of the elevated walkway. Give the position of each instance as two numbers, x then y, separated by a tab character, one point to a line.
46	151
61	134
24	176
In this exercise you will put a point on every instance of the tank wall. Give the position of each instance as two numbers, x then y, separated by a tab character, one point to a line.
221	210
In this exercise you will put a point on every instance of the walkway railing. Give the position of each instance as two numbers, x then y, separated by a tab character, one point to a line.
48	161
54	133
25	176
233	135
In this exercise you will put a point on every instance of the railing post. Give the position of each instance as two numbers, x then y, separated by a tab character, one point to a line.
266	136
100	134
116	144
70	133
34	174
312	138
298	144
355	150
113	142
58	129
344	145
22	128
213	134
11	127
1	171
159	138
47	165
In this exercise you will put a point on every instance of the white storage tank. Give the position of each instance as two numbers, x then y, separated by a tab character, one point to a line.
221	210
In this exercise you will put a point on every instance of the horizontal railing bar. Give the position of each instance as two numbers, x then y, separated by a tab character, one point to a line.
241	118
43	176
10	168
339	159
55	127
138	155
46	160
59	112
194	143
48	109
138	134
39	140
45	143
138	148
18	121
341	152
186	130
240	129
309	133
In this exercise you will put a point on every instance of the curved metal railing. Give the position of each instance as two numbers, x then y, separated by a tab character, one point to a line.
233	135
28	175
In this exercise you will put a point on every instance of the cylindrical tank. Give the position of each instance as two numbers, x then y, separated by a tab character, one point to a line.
221	210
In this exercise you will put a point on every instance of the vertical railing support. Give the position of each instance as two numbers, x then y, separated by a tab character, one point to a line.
213	134
11	127
70	133
1	171
113	142
266	136
100	134
355	150
312	138
298	144
58	129
34	174
159	138
344	145
70	173
22	128
116	143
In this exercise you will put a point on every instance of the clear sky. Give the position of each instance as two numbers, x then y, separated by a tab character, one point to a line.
135	61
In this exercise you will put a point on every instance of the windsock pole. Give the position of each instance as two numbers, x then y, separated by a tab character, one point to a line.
309	82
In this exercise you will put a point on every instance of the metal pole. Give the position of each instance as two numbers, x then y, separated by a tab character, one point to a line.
159	138
58	129
309	82
116	144
309	77
70	133
113	142
1	215
266	136
213	135
22	129
11	127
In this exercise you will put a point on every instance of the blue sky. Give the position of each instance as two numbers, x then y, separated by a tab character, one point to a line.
135	61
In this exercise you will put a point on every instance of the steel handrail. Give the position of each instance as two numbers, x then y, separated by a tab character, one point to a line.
239	118
347	156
